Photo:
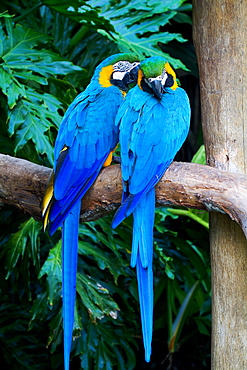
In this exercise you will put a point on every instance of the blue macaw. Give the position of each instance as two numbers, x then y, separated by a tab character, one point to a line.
154	122
85	142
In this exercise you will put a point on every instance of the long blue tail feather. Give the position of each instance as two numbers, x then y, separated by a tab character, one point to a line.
69	261
142	258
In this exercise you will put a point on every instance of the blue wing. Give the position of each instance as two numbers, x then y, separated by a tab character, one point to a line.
86	137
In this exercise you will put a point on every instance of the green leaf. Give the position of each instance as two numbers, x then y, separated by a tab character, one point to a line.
45	63
95	297
127	22
31	120
30	128
200	156
181	317
53	269
137	27
104	260
204	325
23	243
5	80
165	260
26	76
145	46
56	332
11	87
5	14
31	112
38	309
182	18
79	10
20	42
199	216
108	346
20	53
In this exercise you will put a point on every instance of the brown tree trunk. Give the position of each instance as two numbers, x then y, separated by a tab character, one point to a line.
220	36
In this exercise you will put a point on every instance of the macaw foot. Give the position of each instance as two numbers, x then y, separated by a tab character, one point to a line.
109	158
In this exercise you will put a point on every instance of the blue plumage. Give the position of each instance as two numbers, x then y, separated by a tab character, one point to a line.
86	137
154	122
69	266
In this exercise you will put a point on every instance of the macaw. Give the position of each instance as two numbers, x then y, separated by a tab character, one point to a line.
154	122
85	142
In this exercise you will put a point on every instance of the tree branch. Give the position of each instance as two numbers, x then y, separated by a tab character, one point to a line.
23	183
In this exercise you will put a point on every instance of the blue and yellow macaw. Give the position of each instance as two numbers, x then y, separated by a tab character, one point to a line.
154	122
85	142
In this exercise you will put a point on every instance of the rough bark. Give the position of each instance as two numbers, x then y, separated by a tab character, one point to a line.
220	34
23	183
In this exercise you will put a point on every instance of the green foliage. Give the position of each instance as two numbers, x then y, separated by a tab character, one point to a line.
23	242
183	298
19	348
48	52
200	156
53	269
135	26
25	67
182	314
80	11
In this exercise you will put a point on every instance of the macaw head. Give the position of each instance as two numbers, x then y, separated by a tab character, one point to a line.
119	70
154	75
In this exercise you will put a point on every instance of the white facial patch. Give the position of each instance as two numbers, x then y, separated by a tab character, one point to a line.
124	66
118	75
161	78
164	78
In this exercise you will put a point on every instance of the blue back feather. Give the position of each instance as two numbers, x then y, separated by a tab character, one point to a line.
151	133
89	133
152	139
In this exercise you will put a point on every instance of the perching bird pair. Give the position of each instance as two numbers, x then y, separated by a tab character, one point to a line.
151	122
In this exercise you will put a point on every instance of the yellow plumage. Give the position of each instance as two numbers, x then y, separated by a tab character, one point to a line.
46	203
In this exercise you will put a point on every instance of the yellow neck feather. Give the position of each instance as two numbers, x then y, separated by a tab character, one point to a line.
171	72
139	78
105	76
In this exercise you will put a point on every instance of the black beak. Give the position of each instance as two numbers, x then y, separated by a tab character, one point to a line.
133	74
157	88
131	77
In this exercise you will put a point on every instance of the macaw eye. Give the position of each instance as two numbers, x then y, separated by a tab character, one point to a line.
135	64
169	81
